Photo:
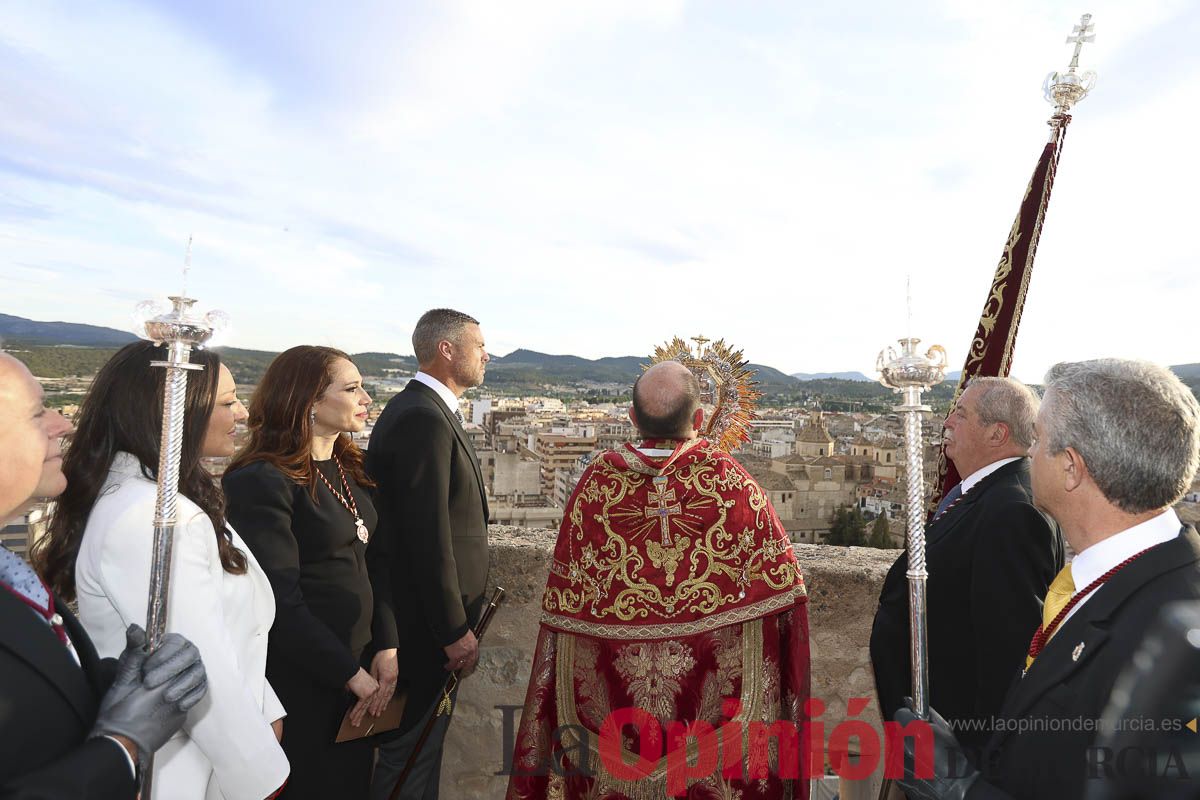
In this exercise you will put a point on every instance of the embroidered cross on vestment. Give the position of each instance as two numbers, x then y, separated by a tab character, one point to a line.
662	495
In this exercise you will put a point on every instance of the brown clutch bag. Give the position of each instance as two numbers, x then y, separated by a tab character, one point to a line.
389	720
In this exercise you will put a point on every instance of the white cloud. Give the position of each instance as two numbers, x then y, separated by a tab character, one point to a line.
597	177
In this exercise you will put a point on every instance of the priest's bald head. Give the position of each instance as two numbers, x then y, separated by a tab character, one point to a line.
666	402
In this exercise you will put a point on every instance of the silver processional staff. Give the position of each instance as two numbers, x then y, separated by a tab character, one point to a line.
909	374
180	330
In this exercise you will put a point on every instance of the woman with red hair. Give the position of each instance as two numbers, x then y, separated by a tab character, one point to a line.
298	494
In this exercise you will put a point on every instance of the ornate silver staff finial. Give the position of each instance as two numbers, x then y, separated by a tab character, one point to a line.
181	330
1066	89
910	374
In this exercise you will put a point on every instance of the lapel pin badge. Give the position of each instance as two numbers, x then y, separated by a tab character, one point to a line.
1078	651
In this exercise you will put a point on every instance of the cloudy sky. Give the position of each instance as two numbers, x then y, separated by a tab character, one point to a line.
596	176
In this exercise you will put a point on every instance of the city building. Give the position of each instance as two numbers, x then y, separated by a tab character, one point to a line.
814	439
560	452
21	532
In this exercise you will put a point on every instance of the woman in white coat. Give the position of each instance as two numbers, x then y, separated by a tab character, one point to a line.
98	550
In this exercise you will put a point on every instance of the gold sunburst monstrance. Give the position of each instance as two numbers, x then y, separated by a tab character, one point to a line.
727	389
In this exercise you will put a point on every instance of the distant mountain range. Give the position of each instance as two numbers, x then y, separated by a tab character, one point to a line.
520	366
62	349
852	376
67	333
841	376
1187	371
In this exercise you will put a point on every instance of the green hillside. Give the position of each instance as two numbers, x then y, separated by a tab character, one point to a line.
61	350
60	361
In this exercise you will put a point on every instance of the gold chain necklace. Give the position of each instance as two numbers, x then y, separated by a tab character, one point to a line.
346	500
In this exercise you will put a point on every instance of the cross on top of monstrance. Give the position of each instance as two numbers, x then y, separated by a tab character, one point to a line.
1065	89
727	389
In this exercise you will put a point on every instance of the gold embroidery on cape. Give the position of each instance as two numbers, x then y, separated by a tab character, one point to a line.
591	689
677	629
614	581
653	786
653	673
727	653
537	740
770	711
770	690
723	788
666	558
663	496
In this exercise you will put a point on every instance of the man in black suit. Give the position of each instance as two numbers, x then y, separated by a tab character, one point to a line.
1118	443
429	556
72	726
990	555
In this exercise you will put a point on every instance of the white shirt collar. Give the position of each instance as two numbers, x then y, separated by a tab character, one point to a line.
968	483
433	383
1104	555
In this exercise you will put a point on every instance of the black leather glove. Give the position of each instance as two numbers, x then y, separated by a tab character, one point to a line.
152	692
952	773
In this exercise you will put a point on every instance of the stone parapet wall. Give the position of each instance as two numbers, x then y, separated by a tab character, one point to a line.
843	587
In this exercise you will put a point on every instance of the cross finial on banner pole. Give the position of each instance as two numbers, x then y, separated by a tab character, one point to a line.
1083	32
1065	89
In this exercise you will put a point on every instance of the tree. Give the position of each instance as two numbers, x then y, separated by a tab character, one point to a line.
880	533
849	528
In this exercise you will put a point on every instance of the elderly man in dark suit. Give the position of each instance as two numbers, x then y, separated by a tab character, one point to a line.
1118	443
72	726
990	554
429	556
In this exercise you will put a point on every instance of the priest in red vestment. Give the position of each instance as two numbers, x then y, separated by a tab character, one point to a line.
673	656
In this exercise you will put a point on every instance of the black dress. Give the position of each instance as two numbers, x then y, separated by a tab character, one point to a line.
323	610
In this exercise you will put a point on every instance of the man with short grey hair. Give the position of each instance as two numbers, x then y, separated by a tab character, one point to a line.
1118	443
990	554
1009	401
428	559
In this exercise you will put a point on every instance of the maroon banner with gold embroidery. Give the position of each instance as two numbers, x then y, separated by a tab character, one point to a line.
995	339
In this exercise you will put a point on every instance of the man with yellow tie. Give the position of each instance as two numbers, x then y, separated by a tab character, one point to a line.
1117	444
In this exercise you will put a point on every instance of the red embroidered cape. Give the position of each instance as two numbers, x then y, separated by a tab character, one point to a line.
673	590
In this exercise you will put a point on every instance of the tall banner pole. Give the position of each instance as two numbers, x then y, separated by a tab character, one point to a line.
909	374
180	331
992	346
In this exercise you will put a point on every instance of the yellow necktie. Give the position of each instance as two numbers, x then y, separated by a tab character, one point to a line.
1061	590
